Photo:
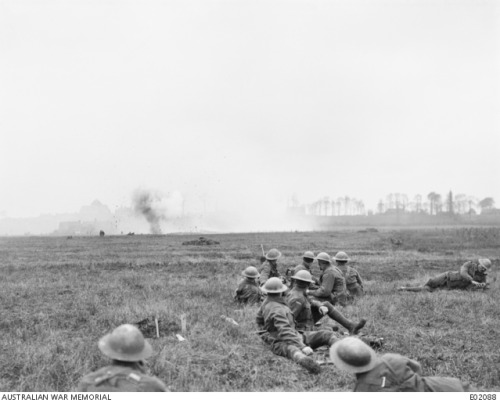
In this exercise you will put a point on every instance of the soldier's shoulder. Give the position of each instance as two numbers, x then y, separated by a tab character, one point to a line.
278	308
92	376
394	360
295	297
152	384
89	381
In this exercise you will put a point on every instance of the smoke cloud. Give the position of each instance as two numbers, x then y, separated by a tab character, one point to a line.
156	207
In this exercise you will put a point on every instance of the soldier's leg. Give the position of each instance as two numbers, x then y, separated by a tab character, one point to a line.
320	338
296	355
351	326
414	289
431	285
316	314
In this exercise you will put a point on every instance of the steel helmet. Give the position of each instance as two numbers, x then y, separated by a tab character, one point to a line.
352	355
308	255
274	286
486	263
273	254
250	272
303	275
324	256
341	257
125	343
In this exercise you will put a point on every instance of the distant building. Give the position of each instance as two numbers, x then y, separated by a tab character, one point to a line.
95	212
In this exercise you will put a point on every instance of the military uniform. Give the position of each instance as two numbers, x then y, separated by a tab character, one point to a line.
306	313
332	287
300	306
462	279
121	378
248	292
395	373
267	271
353	282
276	321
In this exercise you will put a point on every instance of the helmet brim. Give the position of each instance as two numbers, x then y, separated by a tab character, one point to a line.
341	364
273	258
249	275
279	291
108	351
302	279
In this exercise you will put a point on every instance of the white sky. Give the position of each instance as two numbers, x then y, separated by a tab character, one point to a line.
243	103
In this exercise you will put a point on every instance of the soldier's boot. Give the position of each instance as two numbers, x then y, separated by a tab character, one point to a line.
307	362
352	327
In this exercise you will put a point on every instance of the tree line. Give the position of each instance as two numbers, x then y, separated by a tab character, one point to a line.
397	203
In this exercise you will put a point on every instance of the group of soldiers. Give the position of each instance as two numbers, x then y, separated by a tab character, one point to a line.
289	319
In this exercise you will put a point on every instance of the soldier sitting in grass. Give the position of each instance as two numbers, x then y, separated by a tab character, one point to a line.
248	292
353	280
307	311
331	283
277	328
387	373
269	268
472	275
127	348
307	261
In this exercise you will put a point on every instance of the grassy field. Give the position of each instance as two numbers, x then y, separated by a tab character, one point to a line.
59	296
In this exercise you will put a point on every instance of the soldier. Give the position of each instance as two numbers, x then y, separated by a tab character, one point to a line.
307	261
387	373
307	311
353	280
277	328
270	267
127	348
472	275
332	282
248	292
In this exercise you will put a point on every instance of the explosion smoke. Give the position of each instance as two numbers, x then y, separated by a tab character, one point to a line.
149	204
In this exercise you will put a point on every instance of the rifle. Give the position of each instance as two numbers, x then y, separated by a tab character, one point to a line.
263	257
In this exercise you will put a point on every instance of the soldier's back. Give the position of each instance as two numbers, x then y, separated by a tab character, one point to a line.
394	373
117	378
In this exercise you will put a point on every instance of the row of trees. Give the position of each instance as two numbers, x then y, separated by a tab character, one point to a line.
432	204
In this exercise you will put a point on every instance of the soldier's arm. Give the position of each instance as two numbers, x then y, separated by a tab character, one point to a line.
286	332
325	290
295	306
155	385
415	366
264	275
238	290
464	271
314	302
360	281
254	297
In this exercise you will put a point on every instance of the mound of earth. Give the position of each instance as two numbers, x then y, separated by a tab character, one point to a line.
201	241
148	327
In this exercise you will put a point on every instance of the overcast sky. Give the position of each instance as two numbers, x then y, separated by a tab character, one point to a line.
244	103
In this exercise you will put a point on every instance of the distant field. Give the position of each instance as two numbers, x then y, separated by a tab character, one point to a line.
59	296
